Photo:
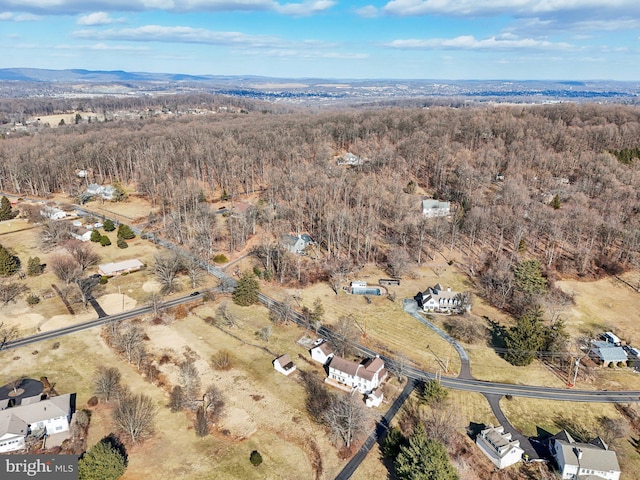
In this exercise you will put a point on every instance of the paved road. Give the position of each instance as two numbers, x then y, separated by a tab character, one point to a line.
411	307
380	432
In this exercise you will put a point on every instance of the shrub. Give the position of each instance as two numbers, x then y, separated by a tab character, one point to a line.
255	458
221	360
220	258
622	364
93	401
612	365
33	299
122	243
104	241
103	280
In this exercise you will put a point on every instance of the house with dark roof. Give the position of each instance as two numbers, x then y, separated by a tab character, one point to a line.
284	365
607	353
364	376
498	445
586	461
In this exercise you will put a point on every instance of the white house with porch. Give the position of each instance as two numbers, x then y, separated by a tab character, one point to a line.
498	445
364	377
438	300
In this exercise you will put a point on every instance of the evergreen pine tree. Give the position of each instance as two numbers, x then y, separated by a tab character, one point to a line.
34	266
423	459
526	338
104	241
124	231
555	203
109	226
9	263
6	212
95	236
246	292
103	461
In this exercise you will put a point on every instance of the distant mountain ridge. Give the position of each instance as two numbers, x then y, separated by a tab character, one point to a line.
26	81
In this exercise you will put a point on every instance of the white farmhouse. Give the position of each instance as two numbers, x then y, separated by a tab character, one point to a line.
364	377
498	445
322	351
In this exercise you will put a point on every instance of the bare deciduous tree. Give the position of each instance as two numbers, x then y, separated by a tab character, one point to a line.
65	267
106	382
53	233
213	402
345	336
347	418
82	253
135	415
193	269
7	334
190	379
166	270
10	290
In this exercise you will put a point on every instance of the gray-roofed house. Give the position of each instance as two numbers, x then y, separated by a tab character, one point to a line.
607	353
435	208
498	445
49	416
585	461
13	431
118	268
364	377
296	243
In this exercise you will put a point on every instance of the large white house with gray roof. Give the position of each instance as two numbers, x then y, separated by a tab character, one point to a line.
591	460
49	416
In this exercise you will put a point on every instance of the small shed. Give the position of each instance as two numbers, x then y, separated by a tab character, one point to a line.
284	365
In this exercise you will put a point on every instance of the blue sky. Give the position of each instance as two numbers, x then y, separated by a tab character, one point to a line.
403	39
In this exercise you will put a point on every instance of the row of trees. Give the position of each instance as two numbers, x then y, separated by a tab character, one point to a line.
364	213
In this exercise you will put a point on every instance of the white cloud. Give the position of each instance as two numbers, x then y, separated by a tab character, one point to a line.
469	42
71	7
368	11
159	33
102	47
508	7
22	17
96	18
304	8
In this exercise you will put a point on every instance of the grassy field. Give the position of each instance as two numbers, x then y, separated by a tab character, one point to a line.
264	409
